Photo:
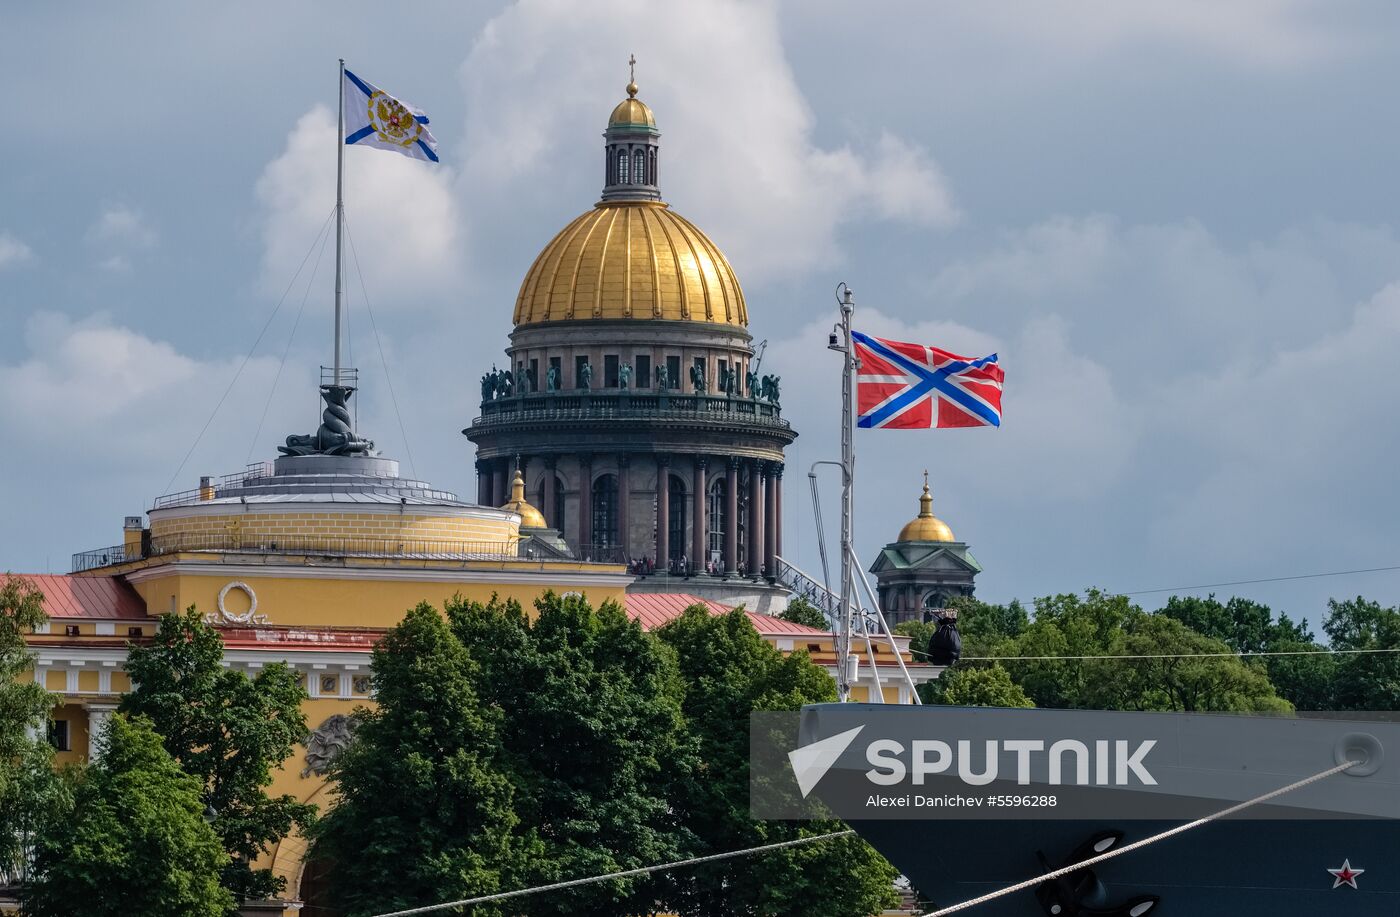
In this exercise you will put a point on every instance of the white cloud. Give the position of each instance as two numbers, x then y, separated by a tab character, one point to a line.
117	264
13	252
1298	449
739	154
402	216
110	390
1258	33
123	227
1160	300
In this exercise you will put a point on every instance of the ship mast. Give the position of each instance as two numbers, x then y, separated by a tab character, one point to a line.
848	470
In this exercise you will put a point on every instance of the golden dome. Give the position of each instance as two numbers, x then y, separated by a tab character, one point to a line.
926	526
632	111
530	518
631	259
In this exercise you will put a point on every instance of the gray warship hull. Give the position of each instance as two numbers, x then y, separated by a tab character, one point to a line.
1328	848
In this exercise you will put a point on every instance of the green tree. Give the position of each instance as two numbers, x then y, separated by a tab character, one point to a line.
135	842
988	623
801	611
728	671
29	791
1245	626
988	686
1364	681
1067	628
594	741
227	730
1177	672
425	812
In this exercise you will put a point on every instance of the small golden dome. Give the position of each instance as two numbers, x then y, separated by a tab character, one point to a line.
926	526
631	259
530	518
632	112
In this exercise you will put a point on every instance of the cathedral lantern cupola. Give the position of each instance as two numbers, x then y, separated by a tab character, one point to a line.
924	568
629	172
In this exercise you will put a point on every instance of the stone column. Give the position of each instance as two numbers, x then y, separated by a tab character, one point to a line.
776	521
99	716
585	505
483	482
731	518
770	516
624	506
699	542
755	518
551	494
663	512
499	484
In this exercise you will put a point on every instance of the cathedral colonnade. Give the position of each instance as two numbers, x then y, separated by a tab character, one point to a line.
716	514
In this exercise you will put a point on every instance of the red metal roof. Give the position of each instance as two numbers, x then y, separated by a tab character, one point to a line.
655	609
87	596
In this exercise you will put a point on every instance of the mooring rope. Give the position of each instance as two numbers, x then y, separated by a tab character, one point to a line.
572	883
1138	845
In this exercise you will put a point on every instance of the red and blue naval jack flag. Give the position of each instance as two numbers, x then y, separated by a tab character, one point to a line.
913	386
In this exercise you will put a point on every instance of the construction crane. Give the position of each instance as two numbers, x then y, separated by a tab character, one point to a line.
758	356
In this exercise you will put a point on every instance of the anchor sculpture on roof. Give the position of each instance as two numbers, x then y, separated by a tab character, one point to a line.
334	436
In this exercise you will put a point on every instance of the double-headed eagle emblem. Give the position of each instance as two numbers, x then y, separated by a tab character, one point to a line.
393	123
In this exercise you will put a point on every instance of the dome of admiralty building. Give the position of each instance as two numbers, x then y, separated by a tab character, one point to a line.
633	402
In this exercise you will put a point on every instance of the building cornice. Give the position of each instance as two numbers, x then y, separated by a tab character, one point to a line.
573	579
227	508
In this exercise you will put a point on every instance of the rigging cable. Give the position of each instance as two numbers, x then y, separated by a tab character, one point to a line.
242	366
315	269
388	381
1231	655
645	870
1138	845
1270	579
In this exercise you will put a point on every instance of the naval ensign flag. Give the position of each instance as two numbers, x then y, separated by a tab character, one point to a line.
375	118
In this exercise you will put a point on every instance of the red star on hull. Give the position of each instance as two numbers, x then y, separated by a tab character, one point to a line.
1345	875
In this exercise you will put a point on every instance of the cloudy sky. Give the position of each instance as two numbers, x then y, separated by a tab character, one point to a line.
1174	220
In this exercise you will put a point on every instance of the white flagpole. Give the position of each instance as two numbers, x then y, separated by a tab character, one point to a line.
339	213
848	471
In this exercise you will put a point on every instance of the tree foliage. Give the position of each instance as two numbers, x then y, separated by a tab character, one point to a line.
426	806
135	841
801	611
29	792
594	743
728	671
989	686
227	730
1067	627
1364	681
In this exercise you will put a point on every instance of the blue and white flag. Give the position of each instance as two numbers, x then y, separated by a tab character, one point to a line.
375	118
